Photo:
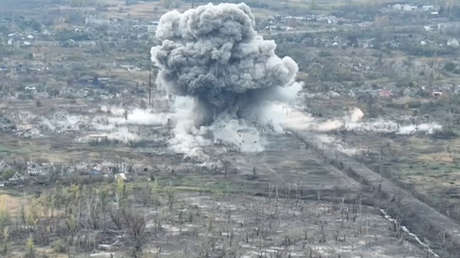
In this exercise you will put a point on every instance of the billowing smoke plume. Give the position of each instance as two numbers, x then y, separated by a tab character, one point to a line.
213	54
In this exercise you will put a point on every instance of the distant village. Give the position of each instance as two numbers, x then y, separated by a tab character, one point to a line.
46	59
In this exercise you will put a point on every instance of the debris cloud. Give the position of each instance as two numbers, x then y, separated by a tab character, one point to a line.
222	74
213	54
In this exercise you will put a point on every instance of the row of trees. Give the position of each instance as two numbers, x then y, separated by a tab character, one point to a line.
72	218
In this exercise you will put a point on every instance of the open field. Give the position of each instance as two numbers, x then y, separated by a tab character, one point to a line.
87	170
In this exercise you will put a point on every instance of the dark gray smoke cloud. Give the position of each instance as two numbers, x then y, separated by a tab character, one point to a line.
213	53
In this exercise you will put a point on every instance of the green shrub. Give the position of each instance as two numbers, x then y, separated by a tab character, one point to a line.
445	134
30	248
59	246
450	67
7	174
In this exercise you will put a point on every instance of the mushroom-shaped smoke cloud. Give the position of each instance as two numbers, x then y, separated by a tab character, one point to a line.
213	53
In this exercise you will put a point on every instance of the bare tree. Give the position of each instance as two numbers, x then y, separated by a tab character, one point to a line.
136	225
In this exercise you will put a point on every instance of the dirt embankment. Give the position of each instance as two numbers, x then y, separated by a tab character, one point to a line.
442	232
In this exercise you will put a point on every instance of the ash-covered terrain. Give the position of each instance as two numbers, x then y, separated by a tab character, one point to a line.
186	129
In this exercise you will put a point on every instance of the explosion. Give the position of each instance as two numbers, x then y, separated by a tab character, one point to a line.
230	86
213	54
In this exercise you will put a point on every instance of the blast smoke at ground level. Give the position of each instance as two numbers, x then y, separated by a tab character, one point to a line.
227	85
213	54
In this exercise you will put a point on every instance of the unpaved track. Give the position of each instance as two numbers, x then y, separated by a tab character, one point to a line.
288	165
301	164
442	232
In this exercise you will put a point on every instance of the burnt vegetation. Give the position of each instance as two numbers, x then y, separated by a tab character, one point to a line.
86	166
